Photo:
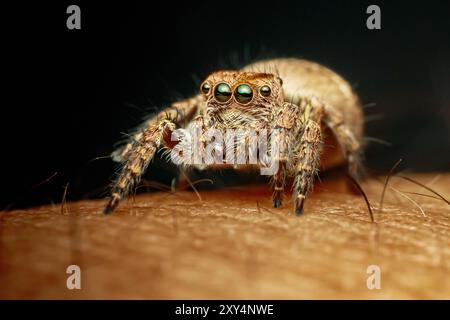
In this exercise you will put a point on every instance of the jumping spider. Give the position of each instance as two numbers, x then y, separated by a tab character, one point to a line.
302	98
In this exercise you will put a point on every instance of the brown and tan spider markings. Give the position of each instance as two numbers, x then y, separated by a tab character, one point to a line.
302	98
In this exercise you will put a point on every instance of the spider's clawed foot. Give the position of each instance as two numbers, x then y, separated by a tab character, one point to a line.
277	197
299	202
112	204
277	202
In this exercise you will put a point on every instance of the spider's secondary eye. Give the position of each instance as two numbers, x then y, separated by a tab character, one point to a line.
222	93
243	93
265	91
205	87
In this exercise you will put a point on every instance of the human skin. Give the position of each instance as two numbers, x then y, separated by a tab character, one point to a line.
232	244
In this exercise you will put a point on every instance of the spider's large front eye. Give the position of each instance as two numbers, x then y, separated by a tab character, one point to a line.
222	93
243	93
265	91
205	87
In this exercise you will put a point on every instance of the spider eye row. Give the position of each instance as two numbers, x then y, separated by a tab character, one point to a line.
243	93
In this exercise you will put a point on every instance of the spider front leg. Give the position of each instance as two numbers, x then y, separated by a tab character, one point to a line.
308	150
286	118
140	154
137	154
179	112
306	154
279	179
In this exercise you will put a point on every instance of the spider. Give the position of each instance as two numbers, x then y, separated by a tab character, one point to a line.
310	103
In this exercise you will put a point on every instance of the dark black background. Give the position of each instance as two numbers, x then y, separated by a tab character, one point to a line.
69	94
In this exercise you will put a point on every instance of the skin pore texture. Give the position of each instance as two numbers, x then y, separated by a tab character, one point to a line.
232	244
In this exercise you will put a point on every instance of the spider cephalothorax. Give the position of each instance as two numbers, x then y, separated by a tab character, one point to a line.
241	99
310	100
